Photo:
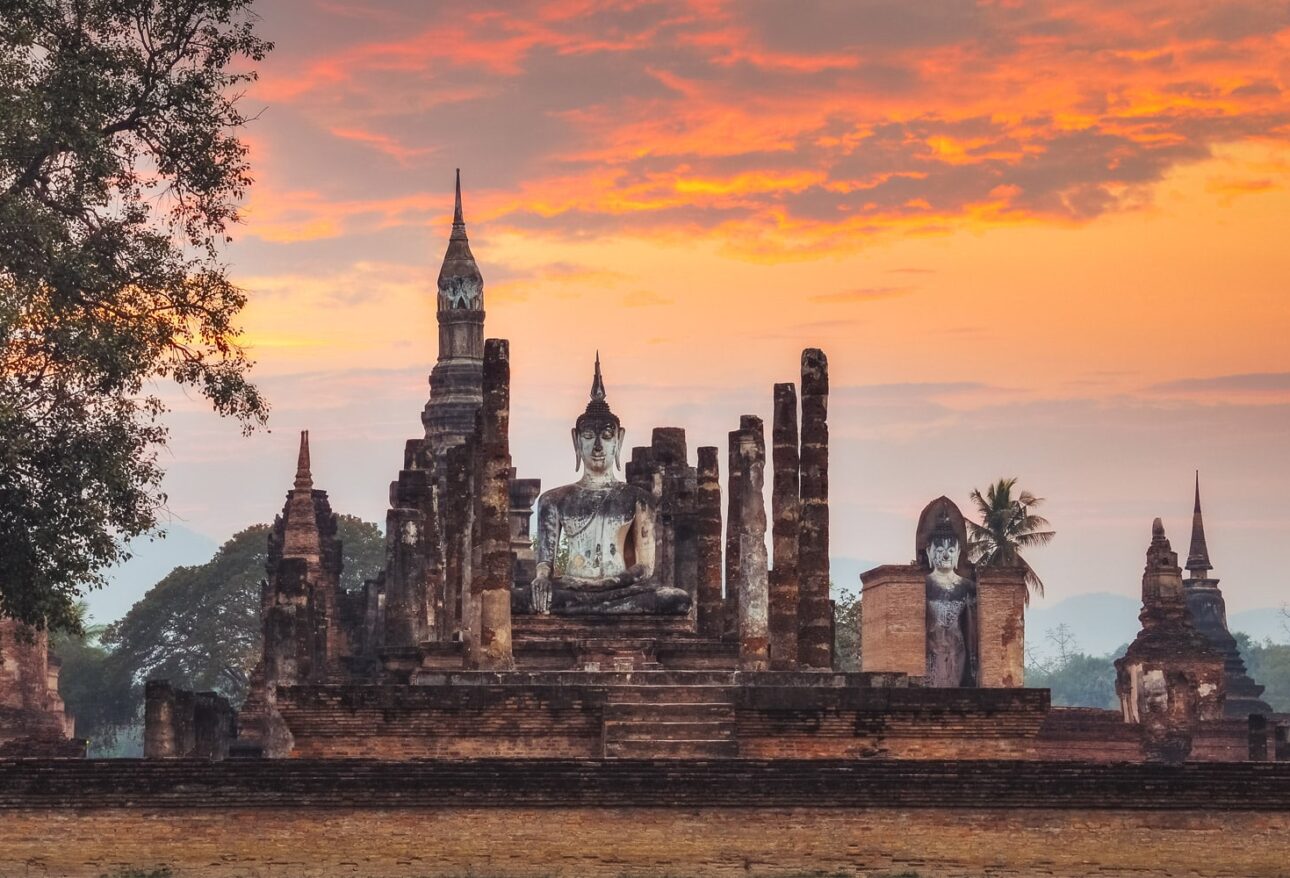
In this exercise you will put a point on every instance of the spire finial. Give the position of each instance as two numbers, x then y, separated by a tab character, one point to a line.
1198	554
597	383
598	411
457	219
304	478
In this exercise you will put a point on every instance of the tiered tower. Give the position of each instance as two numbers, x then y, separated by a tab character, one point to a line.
1209	614
456	381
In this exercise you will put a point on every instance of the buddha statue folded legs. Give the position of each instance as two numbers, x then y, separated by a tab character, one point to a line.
607	528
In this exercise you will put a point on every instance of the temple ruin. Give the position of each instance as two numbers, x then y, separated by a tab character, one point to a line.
637	623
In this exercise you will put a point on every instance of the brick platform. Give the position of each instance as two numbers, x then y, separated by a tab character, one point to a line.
726	817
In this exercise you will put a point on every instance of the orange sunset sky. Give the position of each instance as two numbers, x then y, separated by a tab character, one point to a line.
1042	239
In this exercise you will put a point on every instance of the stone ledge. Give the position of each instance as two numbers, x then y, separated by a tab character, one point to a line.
499	783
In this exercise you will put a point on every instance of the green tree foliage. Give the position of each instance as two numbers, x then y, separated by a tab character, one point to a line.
846	631
83	682
1268	663
1075	678
120	175
1007	527
199	627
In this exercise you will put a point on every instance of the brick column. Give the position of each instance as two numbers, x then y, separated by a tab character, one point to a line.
784	513
815	612
733	500
494	497
750	527
711	613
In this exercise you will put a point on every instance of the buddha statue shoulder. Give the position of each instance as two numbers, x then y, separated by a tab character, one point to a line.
607	528
951	596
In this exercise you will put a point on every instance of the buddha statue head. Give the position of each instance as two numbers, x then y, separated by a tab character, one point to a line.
598	436
942	538
943	548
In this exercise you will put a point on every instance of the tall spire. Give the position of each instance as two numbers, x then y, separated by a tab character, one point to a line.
461	286
458	221
1198	555
304	478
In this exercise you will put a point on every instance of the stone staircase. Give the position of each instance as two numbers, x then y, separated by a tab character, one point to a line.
670	722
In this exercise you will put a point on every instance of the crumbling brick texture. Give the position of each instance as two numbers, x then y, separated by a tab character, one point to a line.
893	635
609	843
1001	605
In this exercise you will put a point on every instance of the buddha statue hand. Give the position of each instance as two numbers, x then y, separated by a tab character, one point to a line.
541	590
631	575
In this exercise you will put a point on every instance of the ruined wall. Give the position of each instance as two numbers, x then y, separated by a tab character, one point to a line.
33	719
734	818
777	719
1001	615
893	626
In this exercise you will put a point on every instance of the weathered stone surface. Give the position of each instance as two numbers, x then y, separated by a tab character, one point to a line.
815	611
493	580
894	622
608	526
749	444
33	719
1208	613
1170	678
785	506
524	492
711	613
304	638
1001	625
179	724
456	382
953	655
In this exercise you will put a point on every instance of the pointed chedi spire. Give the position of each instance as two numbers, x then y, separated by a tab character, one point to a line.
1198	555
300	536
597	382
458	221
461	286
304	478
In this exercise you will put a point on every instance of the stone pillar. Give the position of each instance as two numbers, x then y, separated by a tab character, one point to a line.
524	492
406	594
815	611
750	526
1001	627
784	532
734	484
457	512
711	615
670	456
159	720
893	627
494	495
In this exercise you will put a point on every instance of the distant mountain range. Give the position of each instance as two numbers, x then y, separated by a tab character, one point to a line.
1103	623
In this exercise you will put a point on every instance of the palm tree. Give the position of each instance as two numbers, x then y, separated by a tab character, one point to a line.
1008	526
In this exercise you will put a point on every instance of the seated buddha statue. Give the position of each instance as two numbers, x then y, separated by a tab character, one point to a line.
951	597
608	528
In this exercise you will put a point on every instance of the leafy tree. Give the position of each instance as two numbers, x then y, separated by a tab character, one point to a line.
120	175
847	617
1080	681
83	682
1268	663
199	627
1075	678
1007	526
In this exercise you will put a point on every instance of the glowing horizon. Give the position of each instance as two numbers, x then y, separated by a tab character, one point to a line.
1034	238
